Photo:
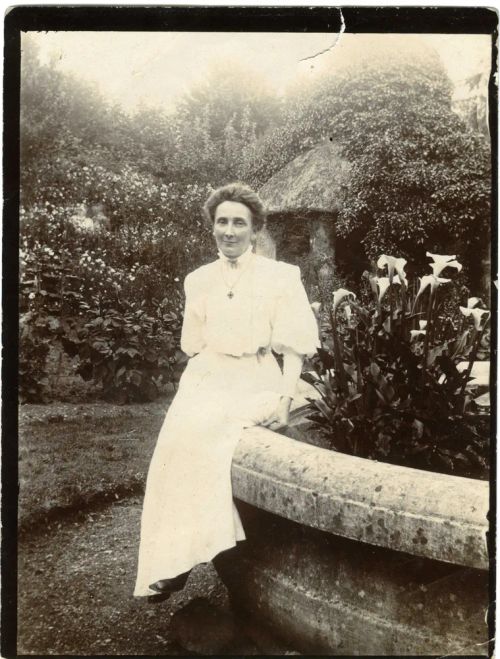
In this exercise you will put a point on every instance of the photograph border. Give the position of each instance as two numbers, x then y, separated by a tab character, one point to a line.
425	20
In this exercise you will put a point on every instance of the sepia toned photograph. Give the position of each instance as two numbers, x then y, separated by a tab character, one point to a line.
256	312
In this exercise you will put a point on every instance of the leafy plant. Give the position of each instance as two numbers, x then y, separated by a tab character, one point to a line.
73	297
410	156
33	351
417	174
388	378
128	355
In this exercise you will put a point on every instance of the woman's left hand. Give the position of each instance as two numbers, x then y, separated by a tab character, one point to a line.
280	415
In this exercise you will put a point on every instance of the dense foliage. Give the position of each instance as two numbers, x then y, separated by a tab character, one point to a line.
105	242
420	178
110	202
112	298
388	379
218	123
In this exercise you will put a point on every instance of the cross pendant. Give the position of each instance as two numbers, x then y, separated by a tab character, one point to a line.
230	295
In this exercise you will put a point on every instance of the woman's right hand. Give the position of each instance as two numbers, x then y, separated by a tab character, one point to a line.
280	415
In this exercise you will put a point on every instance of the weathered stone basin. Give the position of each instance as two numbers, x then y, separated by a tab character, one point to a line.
423	513
351	556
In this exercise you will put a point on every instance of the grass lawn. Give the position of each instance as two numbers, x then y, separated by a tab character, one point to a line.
73	455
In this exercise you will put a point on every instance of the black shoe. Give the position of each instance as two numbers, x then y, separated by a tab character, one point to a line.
166	587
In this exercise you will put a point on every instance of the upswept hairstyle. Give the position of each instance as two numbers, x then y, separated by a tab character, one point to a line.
236	192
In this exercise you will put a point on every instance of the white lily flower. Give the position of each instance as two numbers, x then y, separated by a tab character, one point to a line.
316	306
415	333
476	314
383	284
393	264
373	284
339	295
473	302
441	257
432	281
442	261
401	280
437	268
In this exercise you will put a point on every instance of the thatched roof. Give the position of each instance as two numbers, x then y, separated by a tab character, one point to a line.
314	181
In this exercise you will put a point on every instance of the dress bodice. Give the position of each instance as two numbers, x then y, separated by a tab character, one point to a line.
263	306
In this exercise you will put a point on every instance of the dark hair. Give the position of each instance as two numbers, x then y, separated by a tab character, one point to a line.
236	192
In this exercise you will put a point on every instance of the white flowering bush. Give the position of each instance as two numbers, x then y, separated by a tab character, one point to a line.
109	293
111	223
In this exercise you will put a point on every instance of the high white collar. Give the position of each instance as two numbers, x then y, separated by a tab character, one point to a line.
240	261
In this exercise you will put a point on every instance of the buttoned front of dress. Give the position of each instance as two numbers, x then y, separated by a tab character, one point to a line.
269	309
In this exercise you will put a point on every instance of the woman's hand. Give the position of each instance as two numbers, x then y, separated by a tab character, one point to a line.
280	415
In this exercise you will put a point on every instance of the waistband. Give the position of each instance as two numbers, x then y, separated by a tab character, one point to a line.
261	353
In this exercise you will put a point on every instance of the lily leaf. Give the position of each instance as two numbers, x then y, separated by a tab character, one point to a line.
309	378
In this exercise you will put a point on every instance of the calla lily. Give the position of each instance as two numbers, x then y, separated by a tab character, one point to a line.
402	280
441	257
383	284
473	302
393	264
432	281
476	314
414	333
437	268
442	261
339	295
316	306
373	284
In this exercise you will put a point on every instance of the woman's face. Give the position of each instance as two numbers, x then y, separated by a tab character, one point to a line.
233	228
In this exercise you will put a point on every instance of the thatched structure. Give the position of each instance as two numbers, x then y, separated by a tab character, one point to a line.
315	181
303	200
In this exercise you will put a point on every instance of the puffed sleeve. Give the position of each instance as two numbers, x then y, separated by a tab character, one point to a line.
294	326
192	339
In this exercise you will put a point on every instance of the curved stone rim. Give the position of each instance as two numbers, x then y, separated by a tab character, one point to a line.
422	513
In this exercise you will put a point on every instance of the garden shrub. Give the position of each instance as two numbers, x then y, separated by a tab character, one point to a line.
128	354
34	343
112	298
101	239
418	175
388	380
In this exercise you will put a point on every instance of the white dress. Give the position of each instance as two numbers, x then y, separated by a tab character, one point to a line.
232	381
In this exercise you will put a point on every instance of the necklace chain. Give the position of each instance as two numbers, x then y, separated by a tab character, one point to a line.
230	288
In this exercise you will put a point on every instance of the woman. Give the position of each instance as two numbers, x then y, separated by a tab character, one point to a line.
238	310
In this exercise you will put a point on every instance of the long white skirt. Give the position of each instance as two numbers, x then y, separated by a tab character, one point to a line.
189	515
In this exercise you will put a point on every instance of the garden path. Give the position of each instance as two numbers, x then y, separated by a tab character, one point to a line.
75	596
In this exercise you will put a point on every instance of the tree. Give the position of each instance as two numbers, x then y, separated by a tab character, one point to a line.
105	243
420	179
218	121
